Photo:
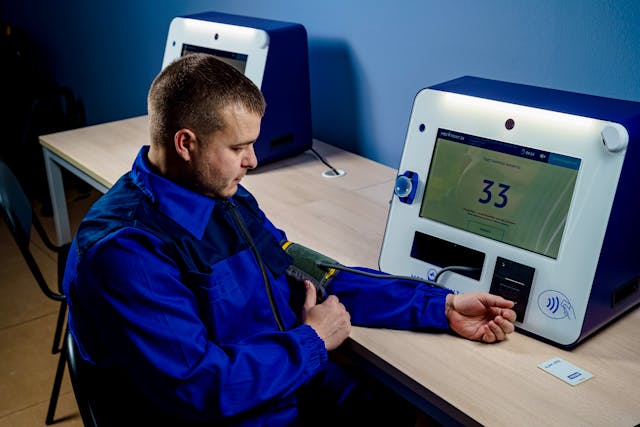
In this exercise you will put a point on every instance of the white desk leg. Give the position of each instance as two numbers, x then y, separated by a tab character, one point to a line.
58	198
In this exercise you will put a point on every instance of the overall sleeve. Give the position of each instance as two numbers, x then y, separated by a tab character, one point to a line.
390	303
155	333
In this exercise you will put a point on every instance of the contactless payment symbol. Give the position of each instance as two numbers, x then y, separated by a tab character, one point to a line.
556	305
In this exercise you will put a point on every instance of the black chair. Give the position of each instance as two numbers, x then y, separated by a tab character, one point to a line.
80	380
18	213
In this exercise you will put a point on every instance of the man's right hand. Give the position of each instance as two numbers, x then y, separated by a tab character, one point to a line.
330	320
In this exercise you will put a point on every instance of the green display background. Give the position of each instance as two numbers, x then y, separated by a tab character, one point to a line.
537	201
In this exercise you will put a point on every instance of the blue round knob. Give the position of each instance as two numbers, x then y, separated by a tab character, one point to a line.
403	186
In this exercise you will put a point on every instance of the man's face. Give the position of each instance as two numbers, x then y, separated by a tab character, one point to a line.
223	158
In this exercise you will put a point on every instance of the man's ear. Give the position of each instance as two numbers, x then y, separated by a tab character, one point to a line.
185	142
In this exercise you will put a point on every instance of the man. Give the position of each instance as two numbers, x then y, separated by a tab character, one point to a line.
177	286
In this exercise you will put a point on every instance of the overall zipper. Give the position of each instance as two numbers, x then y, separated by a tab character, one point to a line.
267	283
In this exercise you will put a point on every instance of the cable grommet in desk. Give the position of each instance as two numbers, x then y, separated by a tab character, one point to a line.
332	174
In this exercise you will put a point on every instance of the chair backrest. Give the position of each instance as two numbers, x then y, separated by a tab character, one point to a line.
81	382
18	214
16	207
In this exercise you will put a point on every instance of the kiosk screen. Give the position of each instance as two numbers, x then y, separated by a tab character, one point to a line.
236	60
510	193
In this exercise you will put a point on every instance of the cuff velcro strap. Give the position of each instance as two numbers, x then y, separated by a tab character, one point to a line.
305	267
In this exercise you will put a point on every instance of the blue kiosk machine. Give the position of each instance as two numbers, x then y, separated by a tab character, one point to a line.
273	54
524	192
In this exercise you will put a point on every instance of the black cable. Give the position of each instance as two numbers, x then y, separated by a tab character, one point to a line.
376	275
335	171
267	283
454	268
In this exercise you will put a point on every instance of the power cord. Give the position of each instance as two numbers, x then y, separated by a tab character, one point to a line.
319	157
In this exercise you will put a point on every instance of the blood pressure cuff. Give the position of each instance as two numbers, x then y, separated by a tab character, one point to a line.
305	267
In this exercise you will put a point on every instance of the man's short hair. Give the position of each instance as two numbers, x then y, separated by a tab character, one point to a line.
191	93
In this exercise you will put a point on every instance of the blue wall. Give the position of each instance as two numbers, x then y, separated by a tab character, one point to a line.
368	59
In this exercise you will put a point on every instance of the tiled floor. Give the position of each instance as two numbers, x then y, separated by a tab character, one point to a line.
27	323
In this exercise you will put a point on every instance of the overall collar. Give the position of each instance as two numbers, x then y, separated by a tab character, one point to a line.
186	207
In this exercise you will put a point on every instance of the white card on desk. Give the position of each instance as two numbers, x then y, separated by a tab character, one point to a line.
564	370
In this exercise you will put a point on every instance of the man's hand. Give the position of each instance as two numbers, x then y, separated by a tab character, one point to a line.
480	316
330	320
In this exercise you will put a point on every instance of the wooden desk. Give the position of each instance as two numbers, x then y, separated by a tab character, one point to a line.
457	381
